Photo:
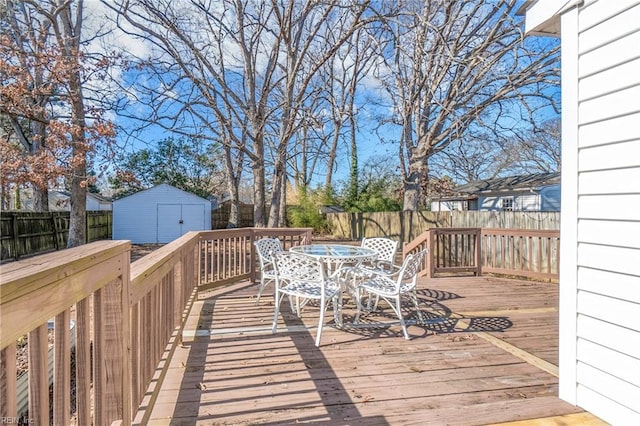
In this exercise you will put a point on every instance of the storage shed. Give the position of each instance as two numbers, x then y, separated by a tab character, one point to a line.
159	215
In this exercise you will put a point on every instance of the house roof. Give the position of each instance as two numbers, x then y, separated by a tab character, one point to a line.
331	209
510	183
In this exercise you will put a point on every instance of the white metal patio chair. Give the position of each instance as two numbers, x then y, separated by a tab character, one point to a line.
386	248
305	278
392	287
265	248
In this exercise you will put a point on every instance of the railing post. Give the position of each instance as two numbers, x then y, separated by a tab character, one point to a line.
178	288
478	251
430	245
252	256
125	325
112	349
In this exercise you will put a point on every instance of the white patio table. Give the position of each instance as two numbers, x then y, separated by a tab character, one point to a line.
335	256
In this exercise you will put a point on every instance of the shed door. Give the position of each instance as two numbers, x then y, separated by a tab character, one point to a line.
174	220
169	217
192	217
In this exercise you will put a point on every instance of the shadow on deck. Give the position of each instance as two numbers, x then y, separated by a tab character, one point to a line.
486	354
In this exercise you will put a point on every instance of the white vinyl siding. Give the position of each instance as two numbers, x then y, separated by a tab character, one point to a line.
529	201
607	365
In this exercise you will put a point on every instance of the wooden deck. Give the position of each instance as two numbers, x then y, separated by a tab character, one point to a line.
488	355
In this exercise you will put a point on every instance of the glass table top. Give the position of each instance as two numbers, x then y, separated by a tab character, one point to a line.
336	251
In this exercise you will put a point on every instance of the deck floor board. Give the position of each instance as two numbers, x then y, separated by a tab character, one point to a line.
230	368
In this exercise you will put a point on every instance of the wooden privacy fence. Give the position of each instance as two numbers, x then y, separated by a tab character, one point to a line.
407	226
29	233
127	319
518	252
220	216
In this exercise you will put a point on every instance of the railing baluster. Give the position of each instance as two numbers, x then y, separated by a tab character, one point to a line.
8	398
38	375
62	368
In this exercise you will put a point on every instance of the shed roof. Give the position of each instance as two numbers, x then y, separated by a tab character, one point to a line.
161	186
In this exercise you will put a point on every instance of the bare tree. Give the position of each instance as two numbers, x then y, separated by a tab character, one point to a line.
475	157
43	98
242	70
26	88
488	155
344	77
199	78
66	24
311	34
537	150
453	66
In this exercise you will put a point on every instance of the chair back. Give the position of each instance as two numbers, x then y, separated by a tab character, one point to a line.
295	266
408	274
266	247
385	247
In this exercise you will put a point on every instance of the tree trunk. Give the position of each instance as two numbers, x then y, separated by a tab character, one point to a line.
259	195
413	184
331	161
71	47
40	191
234	211
40	199
283	204
276	196
78	214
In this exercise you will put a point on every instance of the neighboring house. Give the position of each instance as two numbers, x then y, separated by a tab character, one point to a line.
159	215
600	246
59	201
533	193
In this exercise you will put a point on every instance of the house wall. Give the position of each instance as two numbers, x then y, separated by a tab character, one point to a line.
608	206
600	247
448	206
522	201
550	199
153	215
96	204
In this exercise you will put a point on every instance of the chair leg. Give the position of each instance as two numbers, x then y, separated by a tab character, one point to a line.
358	306
337	310
260	289
276	309
375	305
402	323
415	302
320	322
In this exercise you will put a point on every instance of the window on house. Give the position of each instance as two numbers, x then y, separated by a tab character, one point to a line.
507	204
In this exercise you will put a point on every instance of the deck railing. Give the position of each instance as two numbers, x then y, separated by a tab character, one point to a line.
521	252
229	255
89	284
516	252
127	318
